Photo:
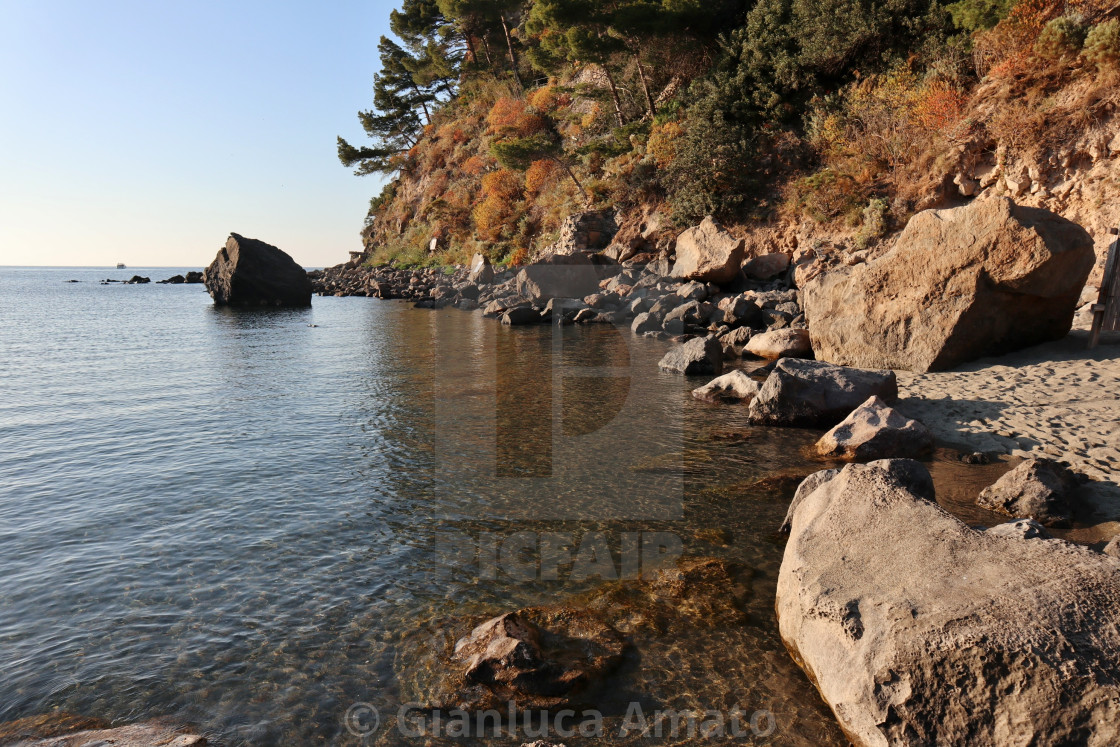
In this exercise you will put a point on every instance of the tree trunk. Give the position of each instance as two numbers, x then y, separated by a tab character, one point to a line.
564	165
645	86
486	51
420	98
512	56
470	47
614	96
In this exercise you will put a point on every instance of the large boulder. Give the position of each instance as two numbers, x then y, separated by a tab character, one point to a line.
248	272
917	629
1039	489
562	276
61	729
973	281
708	253
781	343
817	394
700	355
875	430
481	271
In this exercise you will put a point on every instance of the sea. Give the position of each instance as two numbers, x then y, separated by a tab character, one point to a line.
270	525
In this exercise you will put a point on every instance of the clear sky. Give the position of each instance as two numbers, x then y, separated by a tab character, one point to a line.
145	132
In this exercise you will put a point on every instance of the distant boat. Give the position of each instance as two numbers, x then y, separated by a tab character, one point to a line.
120	265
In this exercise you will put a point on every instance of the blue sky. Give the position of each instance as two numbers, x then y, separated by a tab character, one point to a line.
145	132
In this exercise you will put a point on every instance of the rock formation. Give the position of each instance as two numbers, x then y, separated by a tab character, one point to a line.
875	430
973	281
1039	489
816	394
248	272
735	386
708	253
917	629
700	355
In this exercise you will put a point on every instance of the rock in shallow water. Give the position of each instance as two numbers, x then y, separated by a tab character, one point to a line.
248	272
781	343
1039	489
66	730
919	630
875	430
816	394
735	386
700	355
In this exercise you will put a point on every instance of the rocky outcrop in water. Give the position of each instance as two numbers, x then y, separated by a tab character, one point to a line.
700	355
66	730
735	386
817	394
918	629
875	430
979	280
248	272
1039	489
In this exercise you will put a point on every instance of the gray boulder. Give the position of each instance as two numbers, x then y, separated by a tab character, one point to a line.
1039	489
60	729
522	315
708	253
973	281
735	342
700	355
481	272
645	322
817	394
563	276
766	266
248	272
917	629
734	386
875	430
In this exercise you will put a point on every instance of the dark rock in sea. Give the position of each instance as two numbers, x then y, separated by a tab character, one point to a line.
917	629
137	280
193	277
645	322
538	657
522	315
173	280
248	272
1039	489
817	394
73	281
700	355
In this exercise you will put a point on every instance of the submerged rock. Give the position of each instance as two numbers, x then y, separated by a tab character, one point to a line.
973	281
817	394
735	386
539	657
875	430
700	355
917	629
1039	489
248	272
67	730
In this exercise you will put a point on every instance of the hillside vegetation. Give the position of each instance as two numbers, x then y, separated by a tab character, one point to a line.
492	120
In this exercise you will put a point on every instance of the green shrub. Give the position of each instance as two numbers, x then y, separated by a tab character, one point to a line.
979	15
1102	44
874	224
1061	39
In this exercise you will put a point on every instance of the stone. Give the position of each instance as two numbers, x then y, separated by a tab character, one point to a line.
137	280
708	253
248	272
1039	489
962	283
735	342
683	316
62	729
766	266
693	291
583	232
537	657
645	322
917	629
700	355
781	343
173	280
740	311
1020	529
481	272
521	315
734	386
817	394
875	430
193	277
1113	547
912	474
558	279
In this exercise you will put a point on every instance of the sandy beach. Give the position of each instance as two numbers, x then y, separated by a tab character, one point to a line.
1059	400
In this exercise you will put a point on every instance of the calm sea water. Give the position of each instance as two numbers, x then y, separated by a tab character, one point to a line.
240	519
